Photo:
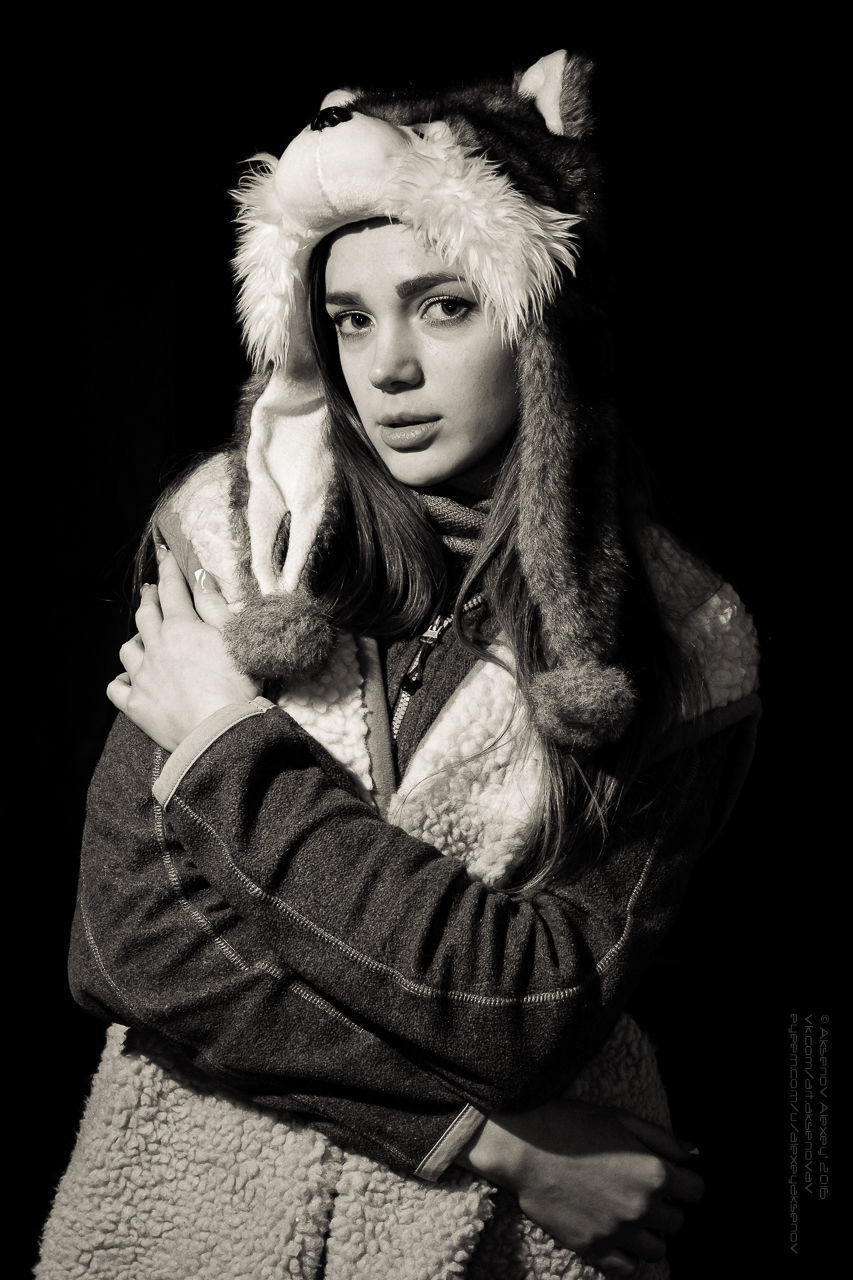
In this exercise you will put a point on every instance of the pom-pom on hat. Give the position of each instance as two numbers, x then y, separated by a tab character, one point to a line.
499	182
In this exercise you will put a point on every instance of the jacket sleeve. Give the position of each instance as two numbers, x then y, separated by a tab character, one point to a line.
501	999
156	946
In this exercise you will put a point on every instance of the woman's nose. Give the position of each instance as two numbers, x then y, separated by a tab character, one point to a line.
395	365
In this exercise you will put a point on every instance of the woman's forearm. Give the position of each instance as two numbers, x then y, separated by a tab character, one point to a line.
599	1179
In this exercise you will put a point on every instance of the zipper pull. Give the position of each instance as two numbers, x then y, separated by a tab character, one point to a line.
430	638
415	672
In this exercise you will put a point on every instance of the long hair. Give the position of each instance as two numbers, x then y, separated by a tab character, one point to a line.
383	574
381	571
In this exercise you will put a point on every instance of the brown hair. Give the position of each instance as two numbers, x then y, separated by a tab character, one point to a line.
383	574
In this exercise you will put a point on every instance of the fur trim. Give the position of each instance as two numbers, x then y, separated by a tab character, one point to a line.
277	636
264	264
462	207
570	549
584	705
569	543
459	204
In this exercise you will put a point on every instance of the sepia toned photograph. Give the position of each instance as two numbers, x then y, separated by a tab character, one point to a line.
428	895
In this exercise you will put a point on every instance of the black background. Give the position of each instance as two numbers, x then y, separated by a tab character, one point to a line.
137	364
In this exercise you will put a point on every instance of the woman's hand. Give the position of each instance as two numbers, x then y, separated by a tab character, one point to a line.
600	1180
177	669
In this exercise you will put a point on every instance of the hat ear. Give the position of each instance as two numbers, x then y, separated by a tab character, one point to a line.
559	86
338	98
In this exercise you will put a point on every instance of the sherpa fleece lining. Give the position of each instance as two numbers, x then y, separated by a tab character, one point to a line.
172	1182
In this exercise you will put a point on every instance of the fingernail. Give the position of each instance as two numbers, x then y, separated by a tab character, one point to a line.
205	580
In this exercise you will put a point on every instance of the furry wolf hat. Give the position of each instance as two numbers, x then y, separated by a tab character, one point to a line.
500	181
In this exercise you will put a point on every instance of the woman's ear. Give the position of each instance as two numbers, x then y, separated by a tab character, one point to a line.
559	85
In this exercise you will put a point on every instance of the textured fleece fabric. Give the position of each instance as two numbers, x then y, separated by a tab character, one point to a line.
170	1181
171	1178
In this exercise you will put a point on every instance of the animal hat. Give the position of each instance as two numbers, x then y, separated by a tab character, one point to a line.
500	182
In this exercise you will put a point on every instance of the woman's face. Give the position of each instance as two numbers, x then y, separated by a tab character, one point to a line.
429	376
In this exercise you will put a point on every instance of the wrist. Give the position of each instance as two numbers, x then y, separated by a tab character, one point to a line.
493	1152
207	708
192	747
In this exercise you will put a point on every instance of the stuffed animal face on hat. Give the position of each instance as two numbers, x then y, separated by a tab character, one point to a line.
484	184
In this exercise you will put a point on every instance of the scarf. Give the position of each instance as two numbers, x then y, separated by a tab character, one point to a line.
459	524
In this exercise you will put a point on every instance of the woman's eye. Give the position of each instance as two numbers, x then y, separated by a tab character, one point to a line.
446	310
350	324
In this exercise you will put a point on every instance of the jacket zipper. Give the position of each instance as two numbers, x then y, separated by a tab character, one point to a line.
414	675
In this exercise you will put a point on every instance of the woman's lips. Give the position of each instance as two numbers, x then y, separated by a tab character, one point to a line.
407	433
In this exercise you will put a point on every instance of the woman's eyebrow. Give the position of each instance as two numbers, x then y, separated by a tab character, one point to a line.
405	289
417	284
343	300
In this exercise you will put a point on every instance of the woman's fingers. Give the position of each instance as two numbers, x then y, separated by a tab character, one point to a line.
118	691
663	1216
616	1263
210	603
176	599
132	654
645	1245
679	1183
682	1184
149	615
657	1139
173	592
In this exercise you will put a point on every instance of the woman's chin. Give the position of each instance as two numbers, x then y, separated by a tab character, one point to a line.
417	470
424	469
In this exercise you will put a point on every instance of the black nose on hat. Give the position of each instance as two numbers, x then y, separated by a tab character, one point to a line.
329	117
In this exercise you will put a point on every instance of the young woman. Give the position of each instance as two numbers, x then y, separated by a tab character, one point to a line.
447	721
